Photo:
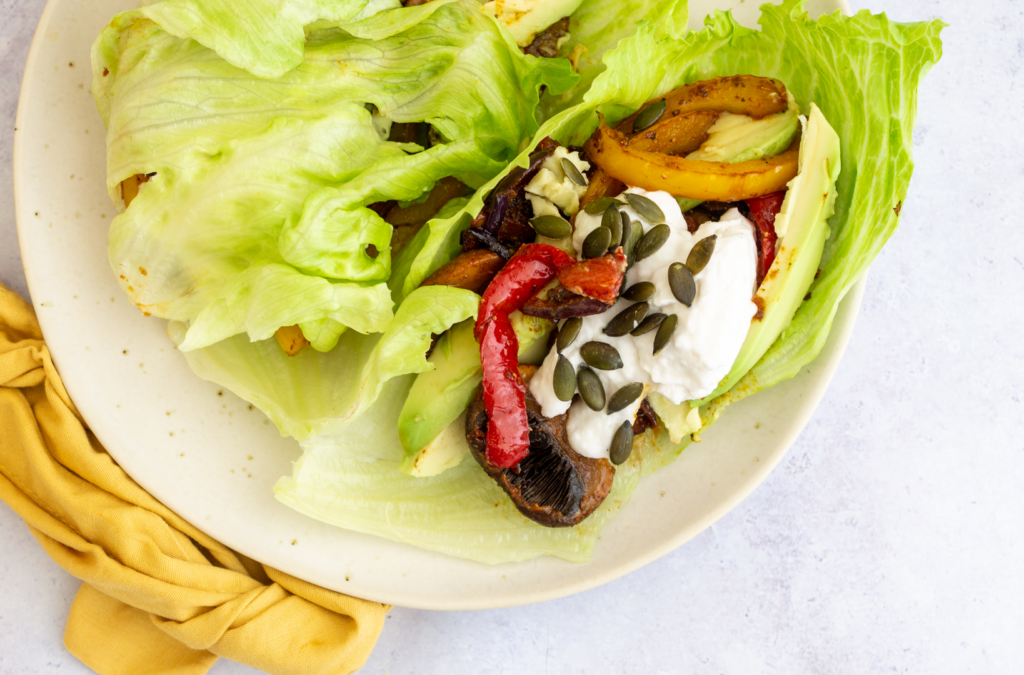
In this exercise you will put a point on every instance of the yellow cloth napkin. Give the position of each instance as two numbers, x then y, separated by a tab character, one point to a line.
158	595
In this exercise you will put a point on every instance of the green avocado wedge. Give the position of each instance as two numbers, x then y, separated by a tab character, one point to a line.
738	138
803	228
440	396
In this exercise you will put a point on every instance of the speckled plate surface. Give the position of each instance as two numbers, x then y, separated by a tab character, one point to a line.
214	459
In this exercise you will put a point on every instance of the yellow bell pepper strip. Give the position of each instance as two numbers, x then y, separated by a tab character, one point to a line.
693	179
755	97
678	135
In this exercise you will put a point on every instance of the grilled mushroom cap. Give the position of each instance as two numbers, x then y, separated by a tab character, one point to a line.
555	485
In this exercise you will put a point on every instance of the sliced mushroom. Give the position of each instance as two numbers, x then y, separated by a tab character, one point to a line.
554	485
471	270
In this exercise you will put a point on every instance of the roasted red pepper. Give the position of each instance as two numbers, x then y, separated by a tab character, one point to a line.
763	210
526	272
597	278
508	431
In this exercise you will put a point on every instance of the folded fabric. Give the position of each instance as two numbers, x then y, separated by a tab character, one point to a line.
159	596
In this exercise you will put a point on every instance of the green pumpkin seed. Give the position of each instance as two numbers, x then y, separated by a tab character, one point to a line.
601	355
552	227
564	379
700	254
636	233
627	320
646	208
567	333
622	444
647	325
680	280
651	242
640	291
598	205
613	222
665	331
573	173
591	389
596	243
649	115
625	397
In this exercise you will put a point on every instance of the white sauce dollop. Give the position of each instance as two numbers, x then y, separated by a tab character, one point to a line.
705	344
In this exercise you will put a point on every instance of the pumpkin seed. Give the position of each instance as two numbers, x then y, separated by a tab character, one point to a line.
596	243
680	280
651	242
665	331
598	205
573	173
613	222
647	325
649	115
646	208
591	389
627	228
635	234
625	397
567	333
627	320
601	355
700	254
564	379
622	444
552	227
640	291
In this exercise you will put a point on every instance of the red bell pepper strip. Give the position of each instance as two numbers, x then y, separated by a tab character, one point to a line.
508	430
526	272
763	210
597	278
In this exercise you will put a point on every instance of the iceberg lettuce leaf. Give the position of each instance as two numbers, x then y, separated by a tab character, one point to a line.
255	212
317	392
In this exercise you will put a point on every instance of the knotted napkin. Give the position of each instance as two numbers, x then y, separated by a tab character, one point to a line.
158	596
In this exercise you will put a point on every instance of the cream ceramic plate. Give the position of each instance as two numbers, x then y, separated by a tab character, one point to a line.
213	459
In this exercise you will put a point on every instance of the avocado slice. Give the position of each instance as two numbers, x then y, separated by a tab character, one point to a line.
738	138
803	228
444	451
680	420
439	396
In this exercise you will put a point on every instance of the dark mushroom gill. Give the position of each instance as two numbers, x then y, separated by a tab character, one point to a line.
554	485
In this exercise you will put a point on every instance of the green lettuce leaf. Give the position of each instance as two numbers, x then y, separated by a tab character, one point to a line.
256	214
315	392
598	26
351	478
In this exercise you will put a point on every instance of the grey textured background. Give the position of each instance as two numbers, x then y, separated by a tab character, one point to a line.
888	540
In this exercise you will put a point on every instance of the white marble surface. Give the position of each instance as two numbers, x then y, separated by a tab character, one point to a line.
888	540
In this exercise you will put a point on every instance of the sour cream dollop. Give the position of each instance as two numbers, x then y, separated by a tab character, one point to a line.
707	339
